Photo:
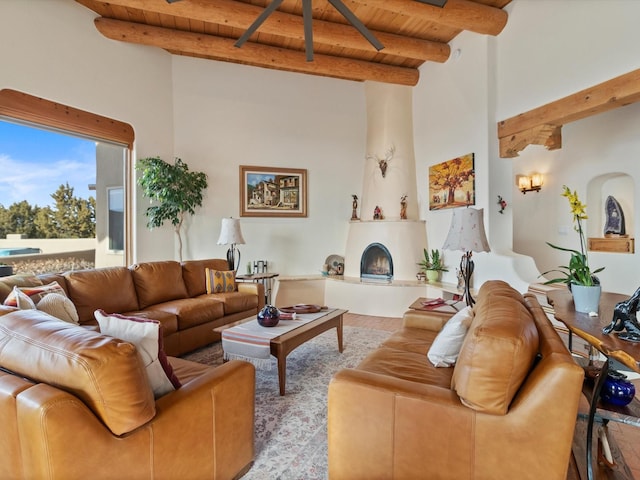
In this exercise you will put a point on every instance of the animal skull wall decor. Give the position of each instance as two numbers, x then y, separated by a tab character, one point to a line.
383	162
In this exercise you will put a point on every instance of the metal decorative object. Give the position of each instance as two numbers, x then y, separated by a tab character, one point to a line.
624	318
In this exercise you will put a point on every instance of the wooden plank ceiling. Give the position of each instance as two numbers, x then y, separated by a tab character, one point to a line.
412	32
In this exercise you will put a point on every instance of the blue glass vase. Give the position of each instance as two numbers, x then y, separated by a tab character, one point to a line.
617	390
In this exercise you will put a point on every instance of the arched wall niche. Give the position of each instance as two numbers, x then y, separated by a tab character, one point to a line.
620	186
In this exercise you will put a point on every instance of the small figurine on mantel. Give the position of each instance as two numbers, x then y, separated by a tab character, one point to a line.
354	212
615	226
377	213
403	207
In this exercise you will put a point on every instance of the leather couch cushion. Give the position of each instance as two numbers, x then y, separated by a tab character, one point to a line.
235	302
496	355
406	365
110	289
158	282
104	372
193	274
192	311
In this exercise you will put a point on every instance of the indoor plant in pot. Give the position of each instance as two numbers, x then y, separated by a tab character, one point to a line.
578	276
432	265
174	190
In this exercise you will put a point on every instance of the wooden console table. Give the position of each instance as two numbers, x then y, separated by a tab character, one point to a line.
627	353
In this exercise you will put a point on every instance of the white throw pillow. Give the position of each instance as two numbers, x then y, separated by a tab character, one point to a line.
59	306
22	300
446	347
146	336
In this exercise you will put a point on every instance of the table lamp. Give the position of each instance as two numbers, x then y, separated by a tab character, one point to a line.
467	234
230	234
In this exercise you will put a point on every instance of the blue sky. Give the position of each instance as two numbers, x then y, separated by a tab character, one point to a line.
35	162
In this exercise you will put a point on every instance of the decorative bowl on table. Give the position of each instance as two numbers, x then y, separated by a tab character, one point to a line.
269	316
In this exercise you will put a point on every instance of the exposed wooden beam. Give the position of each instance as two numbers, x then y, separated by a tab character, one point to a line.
240	15
462	14
254	54
548	135
614	93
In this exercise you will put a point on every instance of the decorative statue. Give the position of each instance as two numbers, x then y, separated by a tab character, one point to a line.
354	212
377	213
615	226
624	317
403	207
383	162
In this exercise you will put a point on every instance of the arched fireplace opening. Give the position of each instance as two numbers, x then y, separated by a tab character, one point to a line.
376	263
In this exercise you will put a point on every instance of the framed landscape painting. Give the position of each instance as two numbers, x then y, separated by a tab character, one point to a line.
452	183
273	192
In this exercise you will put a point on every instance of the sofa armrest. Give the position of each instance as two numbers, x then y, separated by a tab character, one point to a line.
378	428
256	288
208	421
427	320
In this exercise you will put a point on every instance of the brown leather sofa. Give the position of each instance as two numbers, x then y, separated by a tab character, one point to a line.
506	410
171	292
78	405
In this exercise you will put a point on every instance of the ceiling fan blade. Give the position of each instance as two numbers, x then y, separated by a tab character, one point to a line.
435	3
355	21
258	21
307	16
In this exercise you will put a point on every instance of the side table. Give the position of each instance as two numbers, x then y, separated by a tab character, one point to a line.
627	353
265	278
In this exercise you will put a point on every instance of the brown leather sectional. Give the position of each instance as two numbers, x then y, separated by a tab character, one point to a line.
506	410
79	406
168	291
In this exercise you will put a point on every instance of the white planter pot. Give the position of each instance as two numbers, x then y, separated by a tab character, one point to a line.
586	299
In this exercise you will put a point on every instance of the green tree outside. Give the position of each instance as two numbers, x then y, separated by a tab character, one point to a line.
70	217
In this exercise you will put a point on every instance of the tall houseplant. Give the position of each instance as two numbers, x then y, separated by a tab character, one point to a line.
578	273
175	190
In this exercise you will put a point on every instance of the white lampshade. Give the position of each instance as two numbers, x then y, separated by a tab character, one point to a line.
230	232
467	231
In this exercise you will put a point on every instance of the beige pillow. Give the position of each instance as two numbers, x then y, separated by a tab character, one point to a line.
446	347
22	300
145	334
59	306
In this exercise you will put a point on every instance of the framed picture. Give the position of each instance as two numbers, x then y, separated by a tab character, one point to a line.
273	192
452	183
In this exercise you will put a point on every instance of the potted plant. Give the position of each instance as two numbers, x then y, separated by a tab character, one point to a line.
432	265
578	276
176	191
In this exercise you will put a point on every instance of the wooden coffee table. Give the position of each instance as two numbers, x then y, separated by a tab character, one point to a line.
286	343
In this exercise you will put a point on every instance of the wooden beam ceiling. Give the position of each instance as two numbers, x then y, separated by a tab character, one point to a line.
542	125
412	32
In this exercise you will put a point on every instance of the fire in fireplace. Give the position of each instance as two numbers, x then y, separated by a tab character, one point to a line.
376	263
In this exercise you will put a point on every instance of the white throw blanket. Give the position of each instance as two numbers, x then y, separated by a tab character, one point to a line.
250	341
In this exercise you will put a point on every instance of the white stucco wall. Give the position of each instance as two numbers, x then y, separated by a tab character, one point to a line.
574	48
228	115
50	49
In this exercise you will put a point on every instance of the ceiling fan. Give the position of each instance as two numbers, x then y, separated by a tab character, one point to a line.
308	20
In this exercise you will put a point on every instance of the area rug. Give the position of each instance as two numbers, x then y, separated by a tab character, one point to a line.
291	431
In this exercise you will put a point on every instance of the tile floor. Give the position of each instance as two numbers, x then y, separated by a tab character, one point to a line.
626	436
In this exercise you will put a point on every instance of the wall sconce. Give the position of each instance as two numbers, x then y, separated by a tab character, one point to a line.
530	183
